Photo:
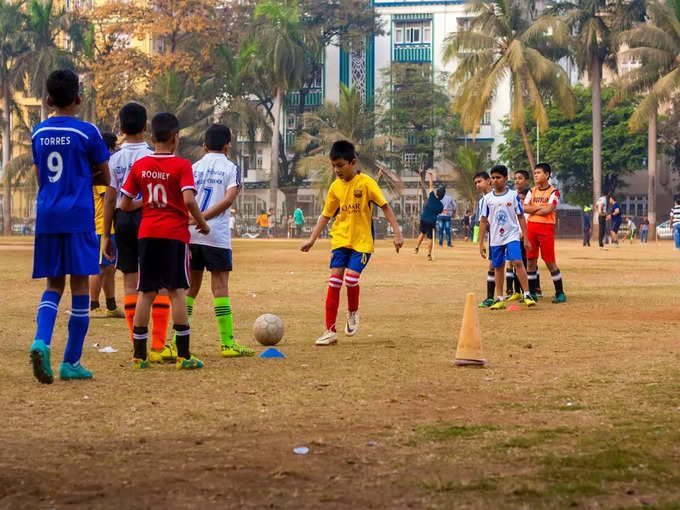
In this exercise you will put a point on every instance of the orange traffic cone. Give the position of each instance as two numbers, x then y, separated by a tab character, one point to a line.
469	351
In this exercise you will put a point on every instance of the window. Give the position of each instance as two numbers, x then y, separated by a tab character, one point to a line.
259	159
413	32
410	160
486	119
427	31
245	165
317	77
290	121
399	34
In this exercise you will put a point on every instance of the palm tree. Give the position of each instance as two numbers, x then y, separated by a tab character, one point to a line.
656	46
347	120
282	49
467	162
503	43
594	25
11	44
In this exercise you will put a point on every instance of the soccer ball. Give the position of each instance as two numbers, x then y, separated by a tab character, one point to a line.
268	329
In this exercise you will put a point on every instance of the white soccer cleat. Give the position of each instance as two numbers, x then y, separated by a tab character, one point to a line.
328	338
352	324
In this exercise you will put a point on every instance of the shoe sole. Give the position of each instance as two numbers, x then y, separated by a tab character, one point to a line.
74	378
238	355
332	342
37	360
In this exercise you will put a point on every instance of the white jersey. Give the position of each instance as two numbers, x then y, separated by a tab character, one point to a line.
214	174
121	162
501	212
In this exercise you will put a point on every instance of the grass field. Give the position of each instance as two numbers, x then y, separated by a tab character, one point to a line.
578	407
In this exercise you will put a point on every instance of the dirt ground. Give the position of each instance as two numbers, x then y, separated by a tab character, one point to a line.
579	405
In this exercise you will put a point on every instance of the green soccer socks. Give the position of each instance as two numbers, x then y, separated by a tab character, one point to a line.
225	323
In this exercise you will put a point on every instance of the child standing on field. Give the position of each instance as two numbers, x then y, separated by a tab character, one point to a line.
482	182
166	183
428	217
66	153
350	200
503	215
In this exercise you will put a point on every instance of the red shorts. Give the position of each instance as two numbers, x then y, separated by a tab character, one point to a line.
541	235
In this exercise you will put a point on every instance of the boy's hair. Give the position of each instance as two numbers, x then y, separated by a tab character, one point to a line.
343	149
467	211
499	169
441	191
62	87
110	140
524	173
217	136
545	167
132	118
483	175
164	126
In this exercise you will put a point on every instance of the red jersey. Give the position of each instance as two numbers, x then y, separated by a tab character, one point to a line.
162	179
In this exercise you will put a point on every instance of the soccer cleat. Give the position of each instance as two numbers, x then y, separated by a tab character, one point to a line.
328	338
514	297
96	313
235	351
165	354
139	364
68	372
117	313
191	363
560	298
538	295
497	305
352	323
429	257
40	359
415	251
528	301
486	303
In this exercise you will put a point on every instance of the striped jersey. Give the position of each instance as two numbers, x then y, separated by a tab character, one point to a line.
540	197
675	214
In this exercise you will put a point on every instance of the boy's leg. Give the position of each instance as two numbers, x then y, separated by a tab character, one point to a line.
419	240
47	316
356	265
95	289
498	273
333	297
160	317
141	324
548	255
448	232
441	225
509	279
430	243
77	328
109	287
130	298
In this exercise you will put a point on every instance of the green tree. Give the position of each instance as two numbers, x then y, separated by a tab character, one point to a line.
656	46
467	162
566	145
595	25
503	42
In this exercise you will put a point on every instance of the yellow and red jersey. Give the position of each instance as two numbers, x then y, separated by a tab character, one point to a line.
541	197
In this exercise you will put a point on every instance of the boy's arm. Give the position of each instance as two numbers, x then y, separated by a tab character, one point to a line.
320	225
223	205
429	174
483	222
523	226
539	210
192	207
389	216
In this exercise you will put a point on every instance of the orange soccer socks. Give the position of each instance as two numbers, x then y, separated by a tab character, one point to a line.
160	317
130	303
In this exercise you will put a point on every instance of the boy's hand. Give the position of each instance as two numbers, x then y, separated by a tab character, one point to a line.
482	250
305	247
203	229
109	249
527	245
398	242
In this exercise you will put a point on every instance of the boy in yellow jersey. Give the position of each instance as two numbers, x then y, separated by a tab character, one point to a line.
106	278
350	200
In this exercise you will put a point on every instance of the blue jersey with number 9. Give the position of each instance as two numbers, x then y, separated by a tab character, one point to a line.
65	150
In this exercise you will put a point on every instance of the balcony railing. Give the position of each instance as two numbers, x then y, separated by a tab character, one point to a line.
412	52
312	98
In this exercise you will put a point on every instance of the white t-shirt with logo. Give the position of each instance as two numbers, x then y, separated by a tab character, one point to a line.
214	174
601	205
121	162
501	211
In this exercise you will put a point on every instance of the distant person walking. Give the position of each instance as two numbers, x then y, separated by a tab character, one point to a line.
675	222
444	219
299	221
601	209
466	225
632	228
614	220
586	226
644	230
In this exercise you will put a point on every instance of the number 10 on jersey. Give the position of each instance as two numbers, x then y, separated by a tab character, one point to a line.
158	197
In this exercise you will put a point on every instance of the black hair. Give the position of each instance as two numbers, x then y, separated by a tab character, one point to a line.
545	167
110	140
164	126
132	118
343	149
441	191
524	173
62	87
217	136
499	169
483	175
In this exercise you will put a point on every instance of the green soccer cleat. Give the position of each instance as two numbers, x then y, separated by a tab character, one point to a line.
191	363
528	301
115	314
560	298
235	351
514	297
68	372
486	303
40	359
140	364
497	305
165	354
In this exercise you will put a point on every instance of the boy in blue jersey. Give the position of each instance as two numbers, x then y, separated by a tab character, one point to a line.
66	153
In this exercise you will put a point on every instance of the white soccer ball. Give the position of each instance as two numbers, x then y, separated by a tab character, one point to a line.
268	329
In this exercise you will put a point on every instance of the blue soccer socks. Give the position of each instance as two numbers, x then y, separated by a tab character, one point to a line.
47	315
77	328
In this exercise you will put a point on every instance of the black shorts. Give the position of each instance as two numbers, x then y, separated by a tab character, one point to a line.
127	230
616	227
426	228
210	258
163	264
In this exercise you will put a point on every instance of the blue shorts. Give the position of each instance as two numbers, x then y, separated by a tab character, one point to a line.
57	255
510	251
350	259
103	261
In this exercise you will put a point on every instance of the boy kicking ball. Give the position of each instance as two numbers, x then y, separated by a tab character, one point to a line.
351	198
218	182
503	215
166	183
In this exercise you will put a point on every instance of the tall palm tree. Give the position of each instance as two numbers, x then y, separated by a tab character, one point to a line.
595	25
467	162
11	44
282	49
656	46
502	43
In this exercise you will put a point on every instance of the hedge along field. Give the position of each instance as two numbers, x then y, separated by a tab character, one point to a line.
578	406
